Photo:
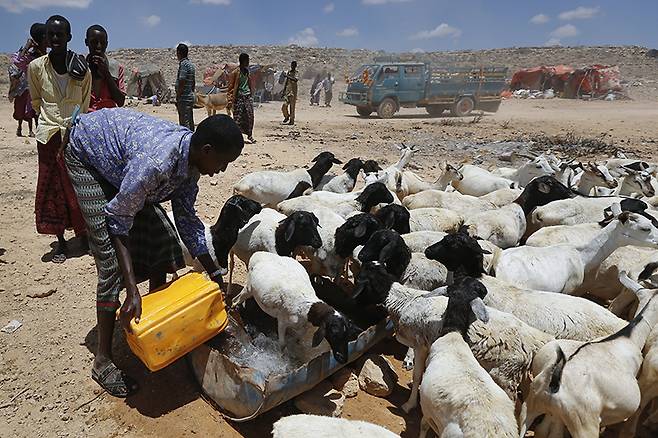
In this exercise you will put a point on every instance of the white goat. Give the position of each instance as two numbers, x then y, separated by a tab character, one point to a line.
317	426
390	175
561	268
463	204
459	398
477	181
502	197
409	183
588	385
536	167
636	184
434	219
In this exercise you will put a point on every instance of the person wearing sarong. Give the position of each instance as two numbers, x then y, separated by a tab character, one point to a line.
240	98
185	84
328	85
123	164
18	88
315	90
290	95
55	94
108	88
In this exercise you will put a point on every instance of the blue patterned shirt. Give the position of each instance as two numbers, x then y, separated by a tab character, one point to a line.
146	159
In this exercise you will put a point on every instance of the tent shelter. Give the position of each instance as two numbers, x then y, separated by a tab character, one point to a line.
146	81
541	78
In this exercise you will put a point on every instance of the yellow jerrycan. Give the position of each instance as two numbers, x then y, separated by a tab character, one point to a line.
177	318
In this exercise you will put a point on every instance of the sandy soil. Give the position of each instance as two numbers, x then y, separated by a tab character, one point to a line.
45	365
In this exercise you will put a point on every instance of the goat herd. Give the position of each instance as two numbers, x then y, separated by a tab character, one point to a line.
525	296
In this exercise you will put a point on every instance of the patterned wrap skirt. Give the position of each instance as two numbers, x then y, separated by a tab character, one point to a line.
56	207
243	113
153	241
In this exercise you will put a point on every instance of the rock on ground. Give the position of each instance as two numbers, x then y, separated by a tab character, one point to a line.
377	376
346	381
322	399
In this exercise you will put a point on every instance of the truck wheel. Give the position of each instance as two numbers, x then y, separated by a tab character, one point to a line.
364	111
463	107
435	110
387	108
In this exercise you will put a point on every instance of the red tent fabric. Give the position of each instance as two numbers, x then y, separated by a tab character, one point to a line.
540	78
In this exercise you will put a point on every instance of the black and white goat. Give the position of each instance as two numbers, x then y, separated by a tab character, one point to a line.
283	290
270	187
342	183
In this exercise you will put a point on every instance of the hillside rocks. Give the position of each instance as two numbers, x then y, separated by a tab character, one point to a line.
633	61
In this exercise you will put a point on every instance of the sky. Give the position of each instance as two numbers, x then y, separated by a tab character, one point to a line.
391	25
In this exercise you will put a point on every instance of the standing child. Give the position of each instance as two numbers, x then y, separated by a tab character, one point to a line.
108	89
58	83
18	91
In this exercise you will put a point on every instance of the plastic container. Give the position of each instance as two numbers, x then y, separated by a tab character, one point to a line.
176	319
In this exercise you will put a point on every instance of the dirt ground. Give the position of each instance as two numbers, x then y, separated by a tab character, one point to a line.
45	389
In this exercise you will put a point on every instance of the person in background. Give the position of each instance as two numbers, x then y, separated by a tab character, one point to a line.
290	95
315	90
328	85
185	85
35	47
58	82
240	98
123	164
108	89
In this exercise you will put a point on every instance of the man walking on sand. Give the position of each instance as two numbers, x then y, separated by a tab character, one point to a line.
35	47
123	164
290	95
59	82
328	85
108	89
185	84
240	98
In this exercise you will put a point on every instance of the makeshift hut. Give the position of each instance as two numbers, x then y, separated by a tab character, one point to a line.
146	81
541	78
596	81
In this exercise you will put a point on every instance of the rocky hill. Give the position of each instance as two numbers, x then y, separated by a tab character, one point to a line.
639	71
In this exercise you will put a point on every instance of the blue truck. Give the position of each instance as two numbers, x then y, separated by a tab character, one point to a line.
385	87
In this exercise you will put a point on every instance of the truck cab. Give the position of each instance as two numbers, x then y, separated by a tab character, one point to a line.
395	84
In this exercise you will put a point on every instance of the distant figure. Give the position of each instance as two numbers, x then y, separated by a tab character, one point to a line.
58	83
328	85
290	95
18	89
315	90
185	88
240	94
108	89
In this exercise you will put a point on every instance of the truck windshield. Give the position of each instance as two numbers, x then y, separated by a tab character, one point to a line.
365	71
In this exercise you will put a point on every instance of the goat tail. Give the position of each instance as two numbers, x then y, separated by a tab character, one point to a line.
556	374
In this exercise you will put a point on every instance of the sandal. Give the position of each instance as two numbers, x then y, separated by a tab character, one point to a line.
114	381
59	258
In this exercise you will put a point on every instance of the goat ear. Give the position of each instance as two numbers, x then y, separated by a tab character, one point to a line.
480	310
336	161
624	216
615	209
438	292
290	230
386	252
544	188
389	220
316	220
360	230
318	336
484	251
